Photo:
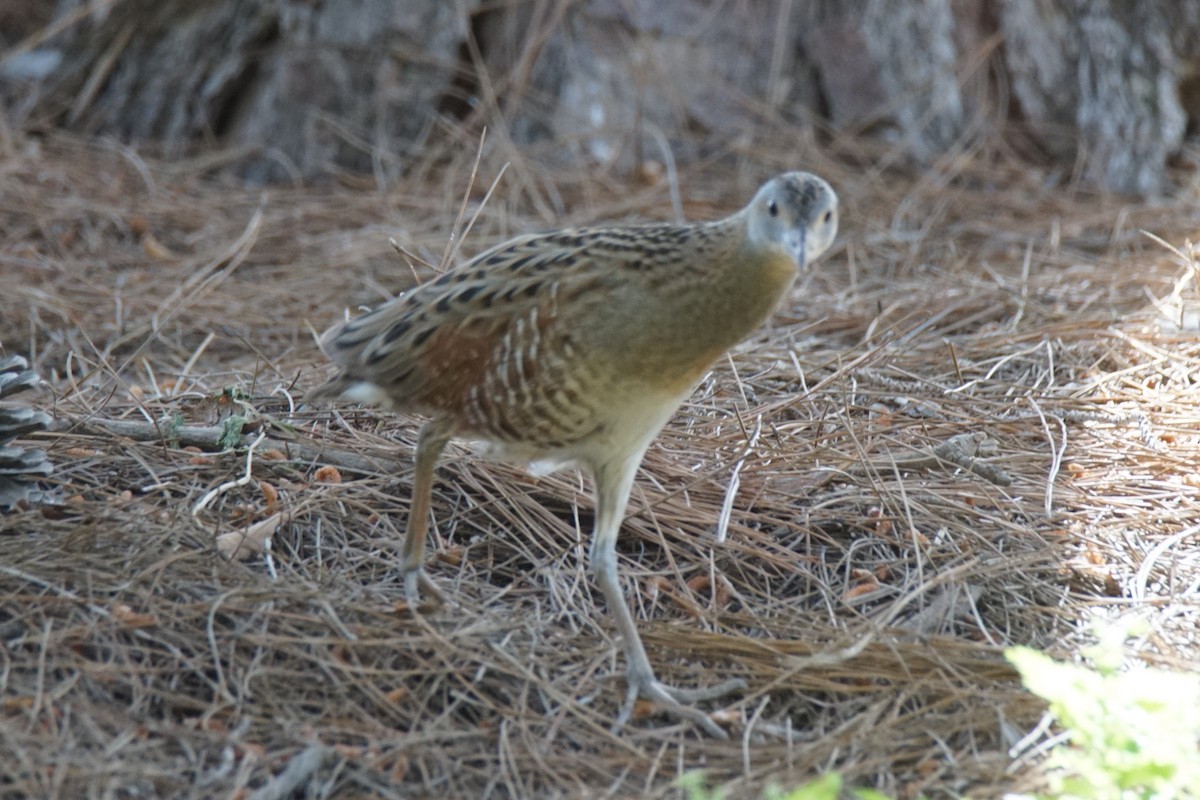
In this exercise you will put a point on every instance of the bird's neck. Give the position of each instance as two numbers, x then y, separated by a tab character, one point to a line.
746	284
715	309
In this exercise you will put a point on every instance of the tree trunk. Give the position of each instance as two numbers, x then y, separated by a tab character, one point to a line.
310	87
1099	81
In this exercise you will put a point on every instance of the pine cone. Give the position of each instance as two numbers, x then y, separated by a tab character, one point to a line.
19	466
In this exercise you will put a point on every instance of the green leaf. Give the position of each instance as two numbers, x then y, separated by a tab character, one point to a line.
870	794
1132	730
825	787
231	432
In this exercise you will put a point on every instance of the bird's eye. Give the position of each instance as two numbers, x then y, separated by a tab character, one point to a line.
828	215
773	208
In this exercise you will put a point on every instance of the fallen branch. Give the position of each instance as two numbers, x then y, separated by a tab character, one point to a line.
964	450
210	437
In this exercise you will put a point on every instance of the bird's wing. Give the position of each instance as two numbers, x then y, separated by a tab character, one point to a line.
429	342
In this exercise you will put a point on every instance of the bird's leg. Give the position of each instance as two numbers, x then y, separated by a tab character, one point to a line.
613	482
430	443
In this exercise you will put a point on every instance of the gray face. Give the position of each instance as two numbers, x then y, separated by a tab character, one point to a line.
798	211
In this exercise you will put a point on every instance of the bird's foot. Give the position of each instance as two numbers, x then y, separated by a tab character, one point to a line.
417	583
677	701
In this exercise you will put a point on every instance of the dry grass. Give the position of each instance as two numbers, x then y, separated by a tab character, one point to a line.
863	589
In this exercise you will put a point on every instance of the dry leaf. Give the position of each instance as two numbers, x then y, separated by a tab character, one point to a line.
244	544
702	585
860	589
656	585
12	704
726	717
643	708
270	495
451	555
327	474
131	619
156	249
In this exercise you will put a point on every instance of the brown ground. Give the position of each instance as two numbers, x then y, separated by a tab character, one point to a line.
864	594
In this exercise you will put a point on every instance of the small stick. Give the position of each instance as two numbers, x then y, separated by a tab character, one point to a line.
735	480
299	770
242	481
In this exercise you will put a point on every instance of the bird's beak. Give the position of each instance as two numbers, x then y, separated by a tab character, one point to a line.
799	250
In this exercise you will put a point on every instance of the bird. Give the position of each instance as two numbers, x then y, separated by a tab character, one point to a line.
575	347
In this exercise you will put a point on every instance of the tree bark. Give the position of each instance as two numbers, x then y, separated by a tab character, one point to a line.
309	87
1099	82
336	84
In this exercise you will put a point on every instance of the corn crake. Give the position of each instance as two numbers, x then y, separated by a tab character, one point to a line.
577	346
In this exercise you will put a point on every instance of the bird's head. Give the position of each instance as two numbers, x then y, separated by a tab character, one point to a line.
796	211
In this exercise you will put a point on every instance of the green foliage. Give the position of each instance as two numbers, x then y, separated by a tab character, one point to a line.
231	431
695	787
1131	733
170	428
826	787
871	794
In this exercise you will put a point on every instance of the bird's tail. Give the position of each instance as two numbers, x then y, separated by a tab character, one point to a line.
346	387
